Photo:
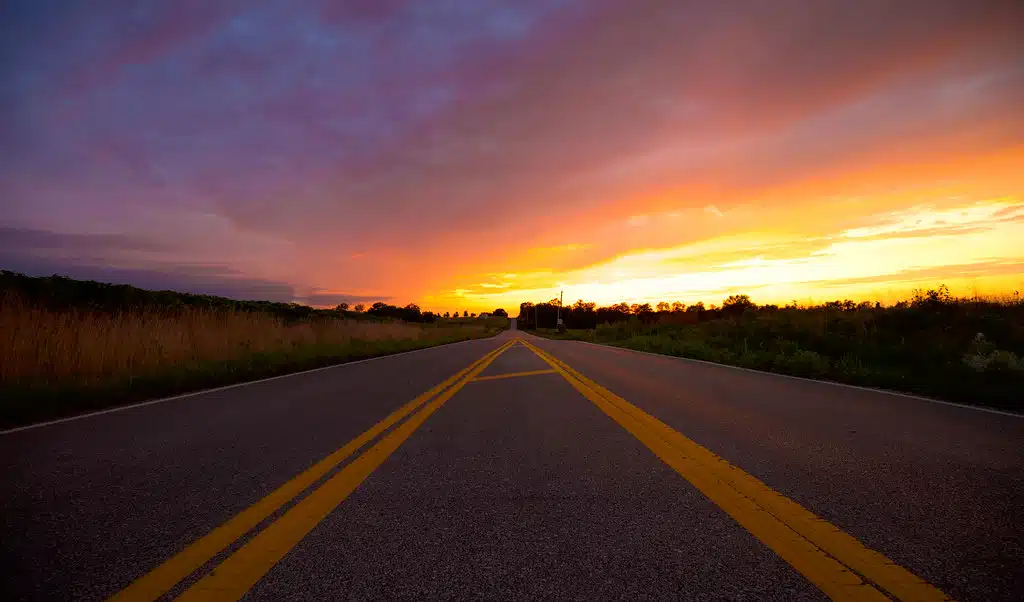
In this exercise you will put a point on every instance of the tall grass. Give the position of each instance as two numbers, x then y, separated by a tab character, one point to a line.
53	361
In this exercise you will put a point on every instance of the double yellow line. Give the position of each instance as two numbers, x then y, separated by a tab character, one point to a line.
836	562
233	577
839	564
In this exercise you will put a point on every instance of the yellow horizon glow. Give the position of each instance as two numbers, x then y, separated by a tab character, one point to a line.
973	247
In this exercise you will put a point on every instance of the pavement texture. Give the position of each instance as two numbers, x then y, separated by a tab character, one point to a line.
519	487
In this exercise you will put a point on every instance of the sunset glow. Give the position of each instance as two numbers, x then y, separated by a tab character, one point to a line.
498	152
974	249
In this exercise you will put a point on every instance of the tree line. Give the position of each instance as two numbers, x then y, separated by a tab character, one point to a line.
587	315
413	313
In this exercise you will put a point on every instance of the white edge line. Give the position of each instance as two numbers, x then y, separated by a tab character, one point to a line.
811	380
141	404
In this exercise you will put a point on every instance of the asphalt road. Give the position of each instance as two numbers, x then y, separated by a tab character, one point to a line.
589	473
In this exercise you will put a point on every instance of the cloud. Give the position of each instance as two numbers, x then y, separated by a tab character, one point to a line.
947	230
569	248
360	10
127	259
924	222
325	299
216	280
995	267
1013	212
31	240
138	33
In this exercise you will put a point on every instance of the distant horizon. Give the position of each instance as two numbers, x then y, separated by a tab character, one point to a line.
473	156
889	300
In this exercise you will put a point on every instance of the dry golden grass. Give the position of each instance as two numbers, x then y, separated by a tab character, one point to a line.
40	346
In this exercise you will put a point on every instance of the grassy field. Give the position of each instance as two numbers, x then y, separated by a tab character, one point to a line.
964	350
58	361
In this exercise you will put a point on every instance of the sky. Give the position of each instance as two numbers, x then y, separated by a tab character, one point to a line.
474	154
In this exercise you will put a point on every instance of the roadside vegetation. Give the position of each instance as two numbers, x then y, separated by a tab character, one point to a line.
969	350
68	346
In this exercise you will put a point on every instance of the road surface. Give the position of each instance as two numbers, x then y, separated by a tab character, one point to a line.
519	468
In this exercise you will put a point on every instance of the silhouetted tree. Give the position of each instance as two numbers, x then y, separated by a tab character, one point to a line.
465	313
360	307
645	312
501	313
931	298
342	307
641	309
584	306
735	305
662	306
409	313
678	307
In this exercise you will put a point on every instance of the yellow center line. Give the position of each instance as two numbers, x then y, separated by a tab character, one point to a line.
828	557
163	578
512	375
239	572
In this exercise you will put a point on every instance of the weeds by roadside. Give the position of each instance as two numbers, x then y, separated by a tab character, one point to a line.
965	350
59	361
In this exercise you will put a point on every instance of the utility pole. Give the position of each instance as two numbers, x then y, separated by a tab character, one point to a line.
558	314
